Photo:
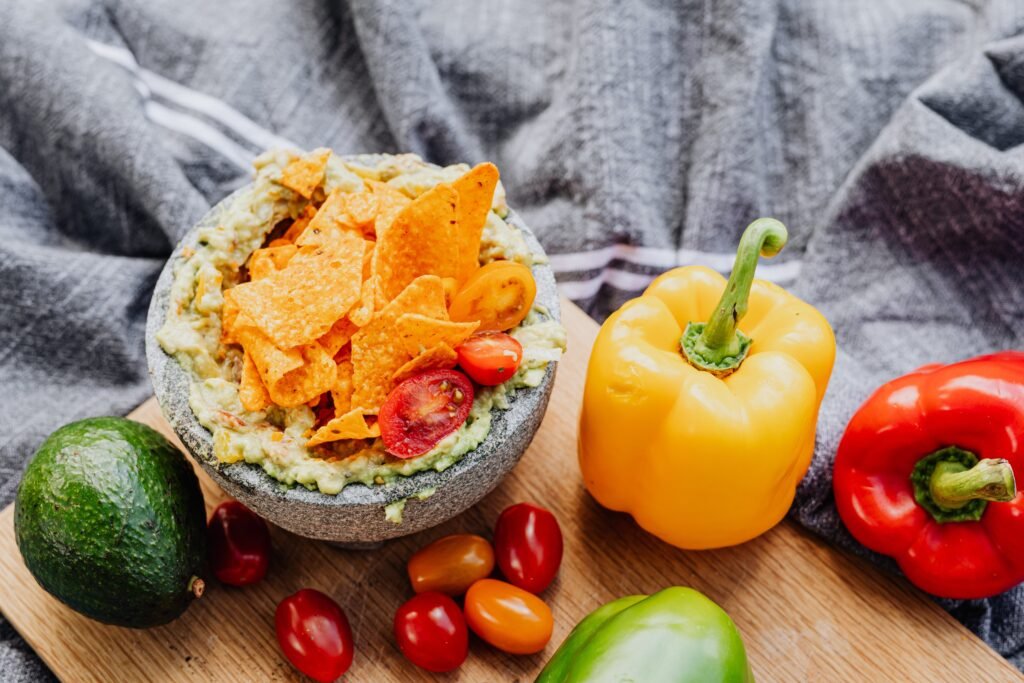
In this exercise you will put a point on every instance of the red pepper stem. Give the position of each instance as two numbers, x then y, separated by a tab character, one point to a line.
952	486
718	346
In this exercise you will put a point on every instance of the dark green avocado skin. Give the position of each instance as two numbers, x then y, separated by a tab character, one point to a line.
109	518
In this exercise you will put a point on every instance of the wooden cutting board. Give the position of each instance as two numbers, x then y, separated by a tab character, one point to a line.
807	612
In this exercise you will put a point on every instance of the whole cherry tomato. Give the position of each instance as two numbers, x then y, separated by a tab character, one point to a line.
431	632
528	546
314	635
239	544
451	564
508	617
490	358
424	409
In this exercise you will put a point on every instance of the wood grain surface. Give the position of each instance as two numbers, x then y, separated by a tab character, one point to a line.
807	612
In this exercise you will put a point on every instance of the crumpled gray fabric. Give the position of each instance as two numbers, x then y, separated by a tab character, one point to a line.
633	135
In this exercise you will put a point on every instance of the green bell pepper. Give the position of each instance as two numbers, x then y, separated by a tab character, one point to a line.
676	635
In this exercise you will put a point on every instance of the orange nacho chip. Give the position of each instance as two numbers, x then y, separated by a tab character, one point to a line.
341	392
271	362
228	318
362	210
331	218
390	203
436	357
418	332
420	241
339	335
251	391
314	376
269	260
351	425
304	174
377	354
476	193
300	224
362	312
298	304
279	242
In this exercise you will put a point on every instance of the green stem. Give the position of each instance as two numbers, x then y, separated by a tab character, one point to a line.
954	486
718	346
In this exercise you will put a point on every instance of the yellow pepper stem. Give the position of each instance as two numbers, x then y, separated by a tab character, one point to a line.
718	346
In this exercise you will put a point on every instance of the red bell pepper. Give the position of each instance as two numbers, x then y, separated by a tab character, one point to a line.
924	473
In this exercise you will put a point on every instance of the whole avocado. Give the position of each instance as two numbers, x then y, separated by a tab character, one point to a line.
110	520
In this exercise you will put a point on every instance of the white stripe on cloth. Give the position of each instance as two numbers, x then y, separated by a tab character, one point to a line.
649	256
664	258
149	84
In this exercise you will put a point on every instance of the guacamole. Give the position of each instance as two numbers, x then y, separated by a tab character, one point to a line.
276	438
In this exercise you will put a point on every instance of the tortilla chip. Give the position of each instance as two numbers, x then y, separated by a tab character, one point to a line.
251	391
332	217
418	332
476	193
351	425
271	362
300	224
298	304
436	357
377	353
451	288
279	242
339	335
341	392
390	203
304	174
420	241
362	312
228	318
267	261
313	377
362	210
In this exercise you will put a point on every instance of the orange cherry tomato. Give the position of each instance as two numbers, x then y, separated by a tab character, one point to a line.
507	617
499	295
490	358
451	564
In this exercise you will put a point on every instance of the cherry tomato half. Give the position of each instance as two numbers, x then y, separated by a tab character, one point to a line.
431	632
499	295
424	409
450	565
507	617
490	358
528	546
239	544
314	635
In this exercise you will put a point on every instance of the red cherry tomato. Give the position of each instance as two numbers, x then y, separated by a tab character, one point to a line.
528	546
431	632
239	544
490	358
314	635
424	409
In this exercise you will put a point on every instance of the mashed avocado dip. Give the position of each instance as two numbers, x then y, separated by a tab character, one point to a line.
275	438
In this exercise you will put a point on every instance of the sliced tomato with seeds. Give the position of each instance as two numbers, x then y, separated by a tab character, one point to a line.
424	409
490	358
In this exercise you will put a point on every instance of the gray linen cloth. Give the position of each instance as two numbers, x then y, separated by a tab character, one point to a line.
633	135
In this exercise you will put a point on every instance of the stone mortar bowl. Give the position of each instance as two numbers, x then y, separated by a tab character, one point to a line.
354	517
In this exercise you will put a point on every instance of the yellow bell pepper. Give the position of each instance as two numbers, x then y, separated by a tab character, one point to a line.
702	431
